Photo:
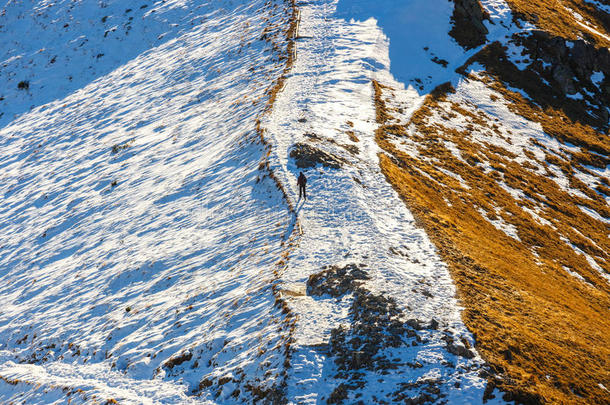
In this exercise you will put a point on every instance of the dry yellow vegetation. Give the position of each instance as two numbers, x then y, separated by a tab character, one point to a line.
558	18
544	331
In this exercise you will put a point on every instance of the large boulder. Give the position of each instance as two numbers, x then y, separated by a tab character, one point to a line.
468	28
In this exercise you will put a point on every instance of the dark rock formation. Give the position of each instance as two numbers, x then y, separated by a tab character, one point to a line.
336	281
468	28
558	68
306	156
568	66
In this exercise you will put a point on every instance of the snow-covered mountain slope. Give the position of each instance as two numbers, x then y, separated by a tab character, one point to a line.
52	48
149	246
153	248
139	237
354	222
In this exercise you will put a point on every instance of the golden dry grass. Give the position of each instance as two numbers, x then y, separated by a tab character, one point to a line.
543	332
554	16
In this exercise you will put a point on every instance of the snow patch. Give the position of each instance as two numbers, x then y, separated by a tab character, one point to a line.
597	78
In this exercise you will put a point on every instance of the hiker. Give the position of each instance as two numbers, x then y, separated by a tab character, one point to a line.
301	182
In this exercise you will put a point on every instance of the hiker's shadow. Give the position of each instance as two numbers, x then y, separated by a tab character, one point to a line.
300	204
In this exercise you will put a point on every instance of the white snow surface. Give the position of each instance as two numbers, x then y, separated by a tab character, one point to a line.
60	46
134	227
417	34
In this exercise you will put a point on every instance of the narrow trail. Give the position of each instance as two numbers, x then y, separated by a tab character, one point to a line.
353	216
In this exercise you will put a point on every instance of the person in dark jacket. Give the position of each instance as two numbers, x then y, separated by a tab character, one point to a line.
302	181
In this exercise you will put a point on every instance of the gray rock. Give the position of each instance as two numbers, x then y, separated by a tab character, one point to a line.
468	28
459	350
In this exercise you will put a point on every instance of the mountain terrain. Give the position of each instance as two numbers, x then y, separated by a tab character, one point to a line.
453	247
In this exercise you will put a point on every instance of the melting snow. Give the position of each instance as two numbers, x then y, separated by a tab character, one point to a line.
594	214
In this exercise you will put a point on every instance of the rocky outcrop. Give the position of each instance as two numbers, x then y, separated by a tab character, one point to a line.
468	28
306	156
579	58
570	66
336	281
377	326
570	76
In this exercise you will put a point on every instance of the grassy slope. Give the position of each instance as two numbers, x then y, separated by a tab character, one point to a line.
556	17
544	332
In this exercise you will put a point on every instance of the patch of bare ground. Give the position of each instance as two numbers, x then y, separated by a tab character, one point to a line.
350	132
306	155
352	149
544	332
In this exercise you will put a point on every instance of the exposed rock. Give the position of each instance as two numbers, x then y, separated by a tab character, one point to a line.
178	360
267	395
336	281
488	393
306	156
313	136
353	149
468	28
570	64
563	76
431	392
558	68
338	395
415	324
522	397
458	349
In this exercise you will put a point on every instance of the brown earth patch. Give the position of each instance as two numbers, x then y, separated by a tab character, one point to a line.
307	156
